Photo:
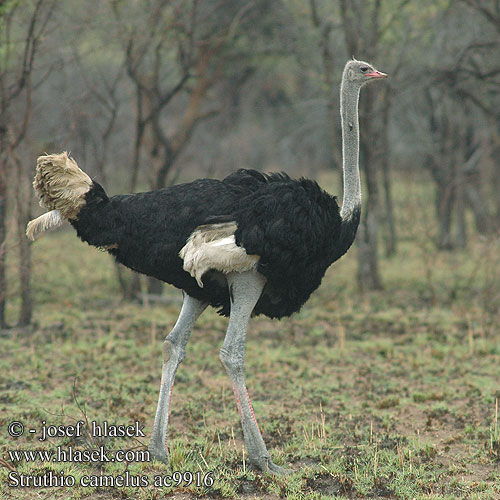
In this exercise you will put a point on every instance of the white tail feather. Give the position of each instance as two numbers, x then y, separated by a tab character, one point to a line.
61	187
60	184
49	220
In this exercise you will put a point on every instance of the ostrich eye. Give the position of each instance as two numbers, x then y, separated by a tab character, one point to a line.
364	69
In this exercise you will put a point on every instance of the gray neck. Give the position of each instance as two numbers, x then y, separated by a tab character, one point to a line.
349	96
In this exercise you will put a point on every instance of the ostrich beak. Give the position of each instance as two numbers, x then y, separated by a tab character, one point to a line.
376	74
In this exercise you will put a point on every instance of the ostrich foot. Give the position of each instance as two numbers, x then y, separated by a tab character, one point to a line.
277	470
158	454
265	464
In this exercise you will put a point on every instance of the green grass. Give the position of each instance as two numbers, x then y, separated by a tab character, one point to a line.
390	394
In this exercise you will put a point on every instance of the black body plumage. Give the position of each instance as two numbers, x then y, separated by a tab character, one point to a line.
293	225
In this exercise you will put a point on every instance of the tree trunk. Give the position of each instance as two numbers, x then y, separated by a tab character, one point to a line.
23	204
390	224
155	287
473	196
24	199
3	234
129	281
368	273
26	310
385	157
475	201
444	207
461	236
495	154
3	244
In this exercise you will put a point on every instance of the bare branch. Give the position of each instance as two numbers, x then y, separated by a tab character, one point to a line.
314	13
485	107
175	90
24	82
395	13
489	14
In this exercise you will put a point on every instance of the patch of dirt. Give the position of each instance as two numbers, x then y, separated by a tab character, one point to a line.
326	484
250	487
381	491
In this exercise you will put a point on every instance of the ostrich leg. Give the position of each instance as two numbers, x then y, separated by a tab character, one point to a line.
245	289
174	351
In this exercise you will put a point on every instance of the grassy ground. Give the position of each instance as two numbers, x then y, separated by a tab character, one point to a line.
390	394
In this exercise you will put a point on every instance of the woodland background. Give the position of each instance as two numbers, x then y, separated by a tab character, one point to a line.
149	93
146	94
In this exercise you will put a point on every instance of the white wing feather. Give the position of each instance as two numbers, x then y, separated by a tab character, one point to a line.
213	246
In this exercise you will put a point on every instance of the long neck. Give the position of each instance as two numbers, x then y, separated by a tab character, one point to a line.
350	149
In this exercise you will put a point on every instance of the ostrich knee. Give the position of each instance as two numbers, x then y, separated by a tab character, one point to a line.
173	350
232	359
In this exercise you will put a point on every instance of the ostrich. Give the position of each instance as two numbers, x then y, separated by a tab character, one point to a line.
249	244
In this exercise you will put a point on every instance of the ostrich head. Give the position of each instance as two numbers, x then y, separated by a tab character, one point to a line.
360	72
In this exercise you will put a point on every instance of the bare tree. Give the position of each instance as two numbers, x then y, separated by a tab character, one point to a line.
173	66
356	17
324	27
390	223
105	90
462	99
363	26
490	9
478	66
16	88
